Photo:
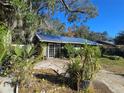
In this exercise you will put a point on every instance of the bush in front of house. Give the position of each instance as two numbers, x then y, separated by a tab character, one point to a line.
116	51
70	51
112	57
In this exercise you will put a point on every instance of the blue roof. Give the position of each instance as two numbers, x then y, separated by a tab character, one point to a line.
63	39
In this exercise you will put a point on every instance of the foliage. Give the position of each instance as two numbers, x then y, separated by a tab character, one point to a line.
18	51
72	8
4	41
82	32
21	71
116	51
84	67
40	48
70	50
3	32
3	53
85	32
16	56
98	36
119	40
57	29
95	36
19	65
112	57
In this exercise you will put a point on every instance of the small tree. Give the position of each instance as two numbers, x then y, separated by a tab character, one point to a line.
22	62
84	66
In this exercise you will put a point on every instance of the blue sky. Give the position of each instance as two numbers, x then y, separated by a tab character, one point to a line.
110	18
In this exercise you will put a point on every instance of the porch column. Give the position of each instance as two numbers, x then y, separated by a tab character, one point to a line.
48	51
54	49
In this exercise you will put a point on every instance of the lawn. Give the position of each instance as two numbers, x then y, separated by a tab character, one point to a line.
114	65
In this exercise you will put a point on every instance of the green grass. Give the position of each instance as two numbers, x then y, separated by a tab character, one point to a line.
116	66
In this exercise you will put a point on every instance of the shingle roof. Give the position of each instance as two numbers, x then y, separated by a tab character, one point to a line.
63	39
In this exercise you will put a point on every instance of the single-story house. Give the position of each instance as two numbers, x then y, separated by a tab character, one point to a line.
55	44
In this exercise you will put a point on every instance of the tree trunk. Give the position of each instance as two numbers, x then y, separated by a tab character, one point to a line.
16	89
78	85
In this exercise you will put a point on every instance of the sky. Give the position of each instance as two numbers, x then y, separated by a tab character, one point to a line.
110	18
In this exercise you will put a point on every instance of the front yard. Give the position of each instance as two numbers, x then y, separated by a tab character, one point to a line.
45	80
48	81
50	78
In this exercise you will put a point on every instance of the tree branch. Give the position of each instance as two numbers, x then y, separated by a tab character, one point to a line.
6	4
71	10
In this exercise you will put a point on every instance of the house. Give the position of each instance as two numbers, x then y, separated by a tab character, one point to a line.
55	44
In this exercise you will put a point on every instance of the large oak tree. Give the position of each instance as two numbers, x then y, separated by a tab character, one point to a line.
24	17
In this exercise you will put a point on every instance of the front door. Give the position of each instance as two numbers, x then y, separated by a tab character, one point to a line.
54	50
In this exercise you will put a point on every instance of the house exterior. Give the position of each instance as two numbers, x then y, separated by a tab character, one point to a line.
55	44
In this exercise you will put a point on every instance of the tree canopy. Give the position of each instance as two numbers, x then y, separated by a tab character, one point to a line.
26	16
120	38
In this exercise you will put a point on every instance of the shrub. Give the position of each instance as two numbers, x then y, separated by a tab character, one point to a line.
70	50
3	41
117	51
113	57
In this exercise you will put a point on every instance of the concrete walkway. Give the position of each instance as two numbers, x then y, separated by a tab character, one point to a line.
58	65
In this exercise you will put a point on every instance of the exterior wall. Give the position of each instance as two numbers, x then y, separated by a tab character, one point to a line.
45	51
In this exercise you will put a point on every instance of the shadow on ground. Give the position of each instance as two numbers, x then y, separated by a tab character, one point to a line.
60	80
120	75
56	79
52	78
